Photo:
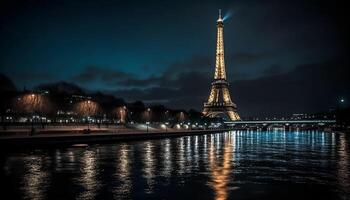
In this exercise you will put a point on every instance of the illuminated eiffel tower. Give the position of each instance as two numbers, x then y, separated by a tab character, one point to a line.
219	100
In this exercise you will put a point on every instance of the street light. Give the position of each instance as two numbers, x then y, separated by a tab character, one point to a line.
88	116
149	114
148	117
34	106
341	103
166	115
31	103
166	126
147	124
124	112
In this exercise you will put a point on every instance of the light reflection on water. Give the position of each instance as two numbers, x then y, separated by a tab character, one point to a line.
122	172
220	168
149	165
166	160
89	175
232	165
36	179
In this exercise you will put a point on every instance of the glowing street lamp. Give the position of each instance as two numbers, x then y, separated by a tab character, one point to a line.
33	105
148	118
149	114
166	115
341	103
89	111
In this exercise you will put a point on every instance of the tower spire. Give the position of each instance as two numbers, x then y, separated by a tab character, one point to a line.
220	18
220	61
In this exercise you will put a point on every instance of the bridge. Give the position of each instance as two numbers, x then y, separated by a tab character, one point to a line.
281	122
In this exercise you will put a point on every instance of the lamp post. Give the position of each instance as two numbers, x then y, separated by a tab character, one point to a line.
88	115
33	104
147	124
166	126
32	130
148	117
341	103
121	116
124	114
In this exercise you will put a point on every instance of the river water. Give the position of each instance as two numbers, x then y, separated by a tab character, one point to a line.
230	165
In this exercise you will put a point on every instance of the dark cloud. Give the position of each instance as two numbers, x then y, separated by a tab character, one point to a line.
307	88
201	64
194	63
273	70
186	87
207	63
147	82
33	76
105	75
246	57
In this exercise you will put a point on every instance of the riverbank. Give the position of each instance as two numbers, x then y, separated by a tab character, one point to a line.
100	137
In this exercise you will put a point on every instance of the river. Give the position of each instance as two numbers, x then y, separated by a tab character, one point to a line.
229	165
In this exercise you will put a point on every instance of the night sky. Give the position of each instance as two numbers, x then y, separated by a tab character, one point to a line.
281	58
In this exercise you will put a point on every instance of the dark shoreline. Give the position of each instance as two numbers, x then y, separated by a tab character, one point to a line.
55	140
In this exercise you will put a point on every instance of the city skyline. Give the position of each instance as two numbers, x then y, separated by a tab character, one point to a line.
163	56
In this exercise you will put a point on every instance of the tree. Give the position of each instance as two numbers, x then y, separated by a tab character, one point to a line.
87	109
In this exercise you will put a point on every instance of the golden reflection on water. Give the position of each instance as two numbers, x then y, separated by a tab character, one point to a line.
220	170
89	175
36	178
177	160
123	170
205	148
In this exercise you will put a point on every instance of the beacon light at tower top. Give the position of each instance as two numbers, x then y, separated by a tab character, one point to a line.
227	15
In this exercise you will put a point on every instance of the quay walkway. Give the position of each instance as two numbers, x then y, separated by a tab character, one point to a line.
20	141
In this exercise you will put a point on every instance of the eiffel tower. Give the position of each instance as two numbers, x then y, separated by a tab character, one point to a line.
219	100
